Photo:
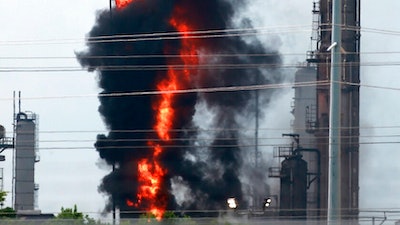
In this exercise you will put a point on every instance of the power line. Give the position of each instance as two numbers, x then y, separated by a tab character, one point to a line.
163	67
147	56
208	139
209	132
217	33
183	91
210	90
182	56
199	146
368	139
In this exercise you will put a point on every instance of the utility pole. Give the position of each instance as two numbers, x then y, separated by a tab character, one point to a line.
334	179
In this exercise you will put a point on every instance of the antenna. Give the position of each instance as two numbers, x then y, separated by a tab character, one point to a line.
13	152
19	101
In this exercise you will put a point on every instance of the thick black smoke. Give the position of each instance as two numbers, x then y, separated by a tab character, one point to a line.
206	172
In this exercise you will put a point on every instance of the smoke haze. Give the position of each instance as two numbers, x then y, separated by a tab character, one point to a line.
204	167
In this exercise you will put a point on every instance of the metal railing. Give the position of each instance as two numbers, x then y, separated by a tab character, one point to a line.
6	142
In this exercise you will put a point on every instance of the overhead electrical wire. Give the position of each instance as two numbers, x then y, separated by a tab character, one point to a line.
215	129
211	130
246	137
367	139
209	90
181	56
198	146
243	130
177	67
194	90
217	33
165	35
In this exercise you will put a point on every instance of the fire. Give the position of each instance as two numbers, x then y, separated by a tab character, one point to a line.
130	203
189	49
165	111
150	174
122	3
150	171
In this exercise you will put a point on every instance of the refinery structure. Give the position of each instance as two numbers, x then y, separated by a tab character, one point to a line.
311	119
23	143
304	171
26	190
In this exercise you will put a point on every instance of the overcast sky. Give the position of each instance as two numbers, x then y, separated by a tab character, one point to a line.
71	176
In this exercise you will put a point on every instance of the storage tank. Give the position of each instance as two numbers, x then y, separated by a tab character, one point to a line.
293	195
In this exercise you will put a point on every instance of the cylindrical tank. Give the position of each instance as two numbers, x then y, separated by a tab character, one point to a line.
2	132
293	196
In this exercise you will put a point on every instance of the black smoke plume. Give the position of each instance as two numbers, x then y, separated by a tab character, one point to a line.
202	172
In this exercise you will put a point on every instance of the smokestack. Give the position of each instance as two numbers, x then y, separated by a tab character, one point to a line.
159	135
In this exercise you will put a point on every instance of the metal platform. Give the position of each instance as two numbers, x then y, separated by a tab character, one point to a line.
6	143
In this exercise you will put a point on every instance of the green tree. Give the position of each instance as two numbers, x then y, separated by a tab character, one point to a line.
73	216
168	218
70	213
3	196
6	212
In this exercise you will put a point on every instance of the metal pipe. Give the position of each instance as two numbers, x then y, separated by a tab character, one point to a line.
318	153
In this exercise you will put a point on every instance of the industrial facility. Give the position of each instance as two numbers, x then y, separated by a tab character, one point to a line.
26	190
23	144
143	128
305	170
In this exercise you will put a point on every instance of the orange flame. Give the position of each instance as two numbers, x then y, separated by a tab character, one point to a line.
122	3
150	176
189	49
165	111
150	171
130	203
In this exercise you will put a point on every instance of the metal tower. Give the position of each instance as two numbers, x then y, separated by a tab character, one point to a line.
349	106
311	108
25	159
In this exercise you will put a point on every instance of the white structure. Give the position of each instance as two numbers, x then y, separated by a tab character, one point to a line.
304	124
304	106
25	159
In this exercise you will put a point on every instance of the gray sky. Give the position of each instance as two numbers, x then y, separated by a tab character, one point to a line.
71	176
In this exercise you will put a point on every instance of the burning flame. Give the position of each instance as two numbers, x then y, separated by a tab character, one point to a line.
150	171
189	49
150	174
122	3
165	112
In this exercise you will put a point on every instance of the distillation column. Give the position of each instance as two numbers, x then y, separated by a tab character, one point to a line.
25	158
